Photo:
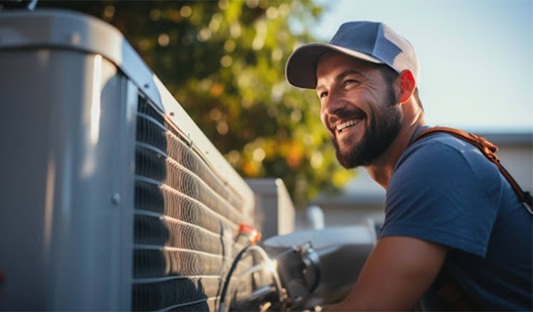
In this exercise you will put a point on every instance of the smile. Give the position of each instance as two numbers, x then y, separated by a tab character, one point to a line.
347	124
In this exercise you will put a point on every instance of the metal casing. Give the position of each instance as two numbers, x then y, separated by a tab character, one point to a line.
274	210
341	253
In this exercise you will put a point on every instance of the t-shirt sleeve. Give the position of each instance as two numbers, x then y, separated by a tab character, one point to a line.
435	195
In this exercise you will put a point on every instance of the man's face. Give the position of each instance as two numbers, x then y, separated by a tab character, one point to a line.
358	108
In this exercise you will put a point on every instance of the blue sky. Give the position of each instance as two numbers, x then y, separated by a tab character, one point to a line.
476	56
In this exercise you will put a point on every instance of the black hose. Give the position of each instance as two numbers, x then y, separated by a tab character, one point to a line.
228	277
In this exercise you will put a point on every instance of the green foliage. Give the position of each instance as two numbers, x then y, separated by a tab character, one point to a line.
224	62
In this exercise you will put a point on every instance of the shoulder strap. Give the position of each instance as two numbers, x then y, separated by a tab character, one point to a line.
488	149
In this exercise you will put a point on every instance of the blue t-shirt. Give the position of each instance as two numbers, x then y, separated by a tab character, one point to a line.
445	191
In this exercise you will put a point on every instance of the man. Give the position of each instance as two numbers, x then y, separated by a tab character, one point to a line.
449	212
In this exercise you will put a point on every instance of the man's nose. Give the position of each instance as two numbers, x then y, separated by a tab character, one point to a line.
333	103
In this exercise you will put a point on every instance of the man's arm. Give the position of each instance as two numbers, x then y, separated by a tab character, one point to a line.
396	274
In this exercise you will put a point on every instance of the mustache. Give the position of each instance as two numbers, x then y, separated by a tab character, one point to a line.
355	113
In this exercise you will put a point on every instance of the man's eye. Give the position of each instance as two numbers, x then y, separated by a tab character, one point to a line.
323	94
349	81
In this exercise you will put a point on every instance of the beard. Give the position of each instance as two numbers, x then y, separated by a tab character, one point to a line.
383	129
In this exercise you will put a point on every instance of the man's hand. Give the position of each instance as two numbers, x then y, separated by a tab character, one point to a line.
396	274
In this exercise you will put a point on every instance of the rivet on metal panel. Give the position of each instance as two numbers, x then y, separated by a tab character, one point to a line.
116	199
171	113
146	86
74	38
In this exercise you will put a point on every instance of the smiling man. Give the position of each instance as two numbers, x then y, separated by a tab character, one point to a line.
455	234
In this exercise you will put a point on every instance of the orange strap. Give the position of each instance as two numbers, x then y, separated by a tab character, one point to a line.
488	149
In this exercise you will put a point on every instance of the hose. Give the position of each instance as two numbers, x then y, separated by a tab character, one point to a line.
238	258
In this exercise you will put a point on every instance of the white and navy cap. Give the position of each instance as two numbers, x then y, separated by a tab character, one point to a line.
368	41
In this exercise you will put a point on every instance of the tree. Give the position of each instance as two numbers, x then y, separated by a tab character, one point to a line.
224	62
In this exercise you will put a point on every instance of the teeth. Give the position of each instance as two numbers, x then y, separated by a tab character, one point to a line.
347	124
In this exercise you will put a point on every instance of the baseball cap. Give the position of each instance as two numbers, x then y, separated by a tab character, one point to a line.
374	42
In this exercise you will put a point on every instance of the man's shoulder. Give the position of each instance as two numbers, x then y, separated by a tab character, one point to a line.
437	189
439	150
443	140
440	162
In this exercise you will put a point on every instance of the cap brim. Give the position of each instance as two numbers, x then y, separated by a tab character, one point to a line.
301	65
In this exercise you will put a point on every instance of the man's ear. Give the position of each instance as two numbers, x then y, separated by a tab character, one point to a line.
407	85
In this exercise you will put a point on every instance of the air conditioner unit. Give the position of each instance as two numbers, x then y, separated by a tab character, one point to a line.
111	197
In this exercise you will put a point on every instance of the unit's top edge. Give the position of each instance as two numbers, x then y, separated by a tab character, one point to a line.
63	29
59	28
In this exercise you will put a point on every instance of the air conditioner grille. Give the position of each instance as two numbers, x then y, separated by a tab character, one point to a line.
185	220
180	294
